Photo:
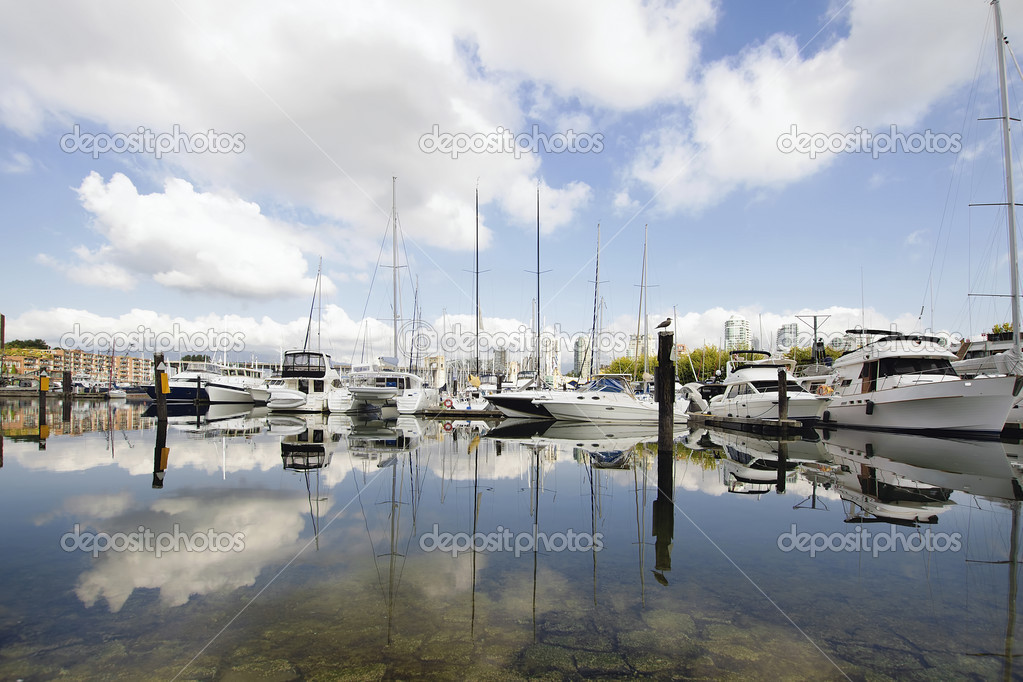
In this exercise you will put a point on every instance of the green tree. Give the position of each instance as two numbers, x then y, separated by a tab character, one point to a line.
705	361
37	344
631	367
803	354
195	358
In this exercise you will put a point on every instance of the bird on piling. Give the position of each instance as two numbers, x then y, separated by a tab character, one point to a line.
666	323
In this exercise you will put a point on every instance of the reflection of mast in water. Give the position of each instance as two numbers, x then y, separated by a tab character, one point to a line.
477	494
640	529
1010	624
536	525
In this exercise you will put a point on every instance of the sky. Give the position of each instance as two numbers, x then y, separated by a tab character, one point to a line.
179	172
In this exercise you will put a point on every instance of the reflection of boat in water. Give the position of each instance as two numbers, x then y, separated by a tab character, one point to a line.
378	440
214	420
755	465
977	467
304	445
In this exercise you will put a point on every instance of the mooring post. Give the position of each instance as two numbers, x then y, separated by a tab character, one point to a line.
783	459
44	430
160	452
783	395
68	388
161	387
663	506
665	394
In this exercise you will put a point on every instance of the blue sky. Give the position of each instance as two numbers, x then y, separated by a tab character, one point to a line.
319	106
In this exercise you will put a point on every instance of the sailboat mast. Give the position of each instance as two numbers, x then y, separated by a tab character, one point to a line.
646	316
394	262
538	378
1009	194
596	293
476	271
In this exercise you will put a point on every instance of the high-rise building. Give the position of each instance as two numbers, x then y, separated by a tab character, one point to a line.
581	355
646	343
737	333
788	336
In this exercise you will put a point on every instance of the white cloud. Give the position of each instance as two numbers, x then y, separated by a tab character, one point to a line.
188	240
17	163
887	70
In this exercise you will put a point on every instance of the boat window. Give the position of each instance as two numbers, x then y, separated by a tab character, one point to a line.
769	386
915	365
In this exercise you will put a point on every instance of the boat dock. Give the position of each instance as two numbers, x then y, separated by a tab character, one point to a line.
768	427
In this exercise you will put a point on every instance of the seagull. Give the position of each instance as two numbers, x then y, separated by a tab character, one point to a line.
666	323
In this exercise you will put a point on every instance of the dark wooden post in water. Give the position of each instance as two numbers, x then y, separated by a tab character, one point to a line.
783	395
68	387
664	505
44	430
665	394
160	388
160	452
783	460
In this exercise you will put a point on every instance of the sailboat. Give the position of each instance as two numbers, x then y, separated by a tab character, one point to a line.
519	403
306	375
384	385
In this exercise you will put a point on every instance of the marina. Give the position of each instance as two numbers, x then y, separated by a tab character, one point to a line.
309	368
756	561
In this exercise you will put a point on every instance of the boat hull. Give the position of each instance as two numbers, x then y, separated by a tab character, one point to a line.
803	407
606	410
519	404
973	406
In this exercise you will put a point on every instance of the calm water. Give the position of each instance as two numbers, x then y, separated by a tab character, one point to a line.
306	548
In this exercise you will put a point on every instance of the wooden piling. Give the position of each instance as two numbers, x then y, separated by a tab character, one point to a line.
68	387
160	388
160	451
664	505
783	395
665	393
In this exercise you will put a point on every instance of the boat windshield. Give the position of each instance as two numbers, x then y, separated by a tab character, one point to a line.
768	386
608	385
915	365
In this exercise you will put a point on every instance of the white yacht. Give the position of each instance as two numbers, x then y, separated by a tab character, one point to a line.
751	390
607	398
249	378
370	388
203	382
306	377
903	382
